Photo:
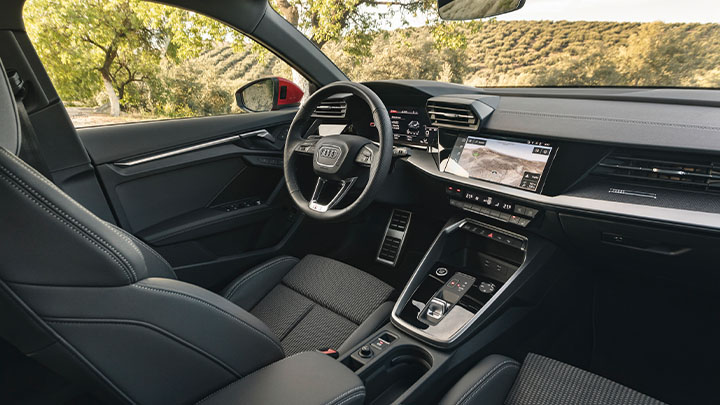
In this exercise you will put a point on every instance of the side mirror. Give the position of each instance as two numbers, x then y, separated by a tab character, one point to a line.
472	9
268	94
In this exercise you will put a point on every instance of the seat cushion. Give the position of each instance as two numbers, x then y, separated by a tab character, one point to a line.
498	380
547	381
311	303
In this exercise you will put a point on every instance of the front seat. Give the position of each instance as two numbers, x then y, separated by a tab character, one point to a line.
499	380
95	304
313	303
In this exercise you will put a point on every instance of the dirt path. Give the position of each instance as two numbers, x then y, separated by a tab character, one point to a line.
87	117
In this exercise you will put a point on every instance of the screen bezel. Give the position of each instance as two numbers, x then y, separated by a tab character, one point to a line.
543	176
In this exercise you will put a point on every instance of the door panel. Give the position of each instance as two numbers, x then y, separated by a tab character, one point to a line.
112	143
209	198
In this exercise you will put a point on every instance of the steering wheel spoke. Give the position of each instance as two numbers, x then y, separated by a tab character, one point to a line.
306	147
315	204
366	155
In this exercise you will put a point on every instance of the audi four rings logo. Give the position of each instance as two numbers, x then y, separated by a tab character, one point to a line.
328	152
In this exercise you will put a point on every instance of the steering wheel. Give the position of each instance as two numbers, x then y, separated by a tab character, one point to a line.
338	158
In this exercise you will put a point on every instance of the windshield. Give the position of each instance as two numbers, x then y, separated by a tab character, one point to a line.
559	43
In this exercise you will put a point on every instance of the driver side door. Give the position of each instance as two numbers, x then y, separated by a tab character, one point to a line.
207	193
187	170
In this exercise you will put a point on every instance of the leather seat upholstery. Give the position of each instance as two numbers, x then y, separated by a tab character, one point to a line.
499	380
97	305
313	303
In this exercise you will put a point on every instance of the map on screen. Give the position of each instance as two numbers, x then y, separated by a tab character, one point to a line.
515	164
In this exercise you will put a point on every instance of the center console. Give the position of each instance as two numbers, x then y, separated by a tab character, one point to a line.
468	272
460	298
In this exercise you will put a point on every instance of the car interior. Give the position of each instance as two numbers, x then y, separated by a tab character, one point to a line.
380	242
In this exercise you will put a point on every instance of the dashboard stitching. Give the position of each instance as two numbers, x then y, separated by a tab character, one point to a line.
616	120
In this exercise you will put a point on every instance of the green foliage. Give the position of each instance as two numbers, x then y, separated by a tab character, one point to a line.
122	43
170	62
355	23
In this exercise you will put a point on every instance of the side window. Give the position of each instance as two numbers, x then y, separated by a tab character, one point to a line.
118	61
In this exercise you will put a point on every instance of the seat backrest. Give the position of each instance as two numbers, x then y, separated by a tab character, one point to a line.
95	304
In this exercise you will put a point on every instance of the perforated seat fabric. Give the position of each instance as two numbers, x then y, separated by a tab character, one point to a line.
499	380
546	381
310	303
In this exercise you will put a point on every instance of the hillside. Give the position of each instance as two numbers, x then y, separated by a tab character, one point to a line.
496	53
522	53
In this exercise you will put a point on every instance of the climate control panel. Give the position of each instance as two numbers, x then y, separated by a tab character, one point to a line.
501	209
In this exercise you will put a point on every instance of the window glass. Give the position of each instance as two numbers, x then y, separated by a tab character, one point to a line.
558	43
117	61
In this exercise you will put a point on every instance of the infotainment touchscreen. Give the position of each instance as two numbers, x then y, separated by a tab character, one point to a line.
513	163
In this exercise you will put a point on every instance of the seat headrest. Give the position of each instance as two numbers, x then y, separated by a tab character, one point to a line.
9	122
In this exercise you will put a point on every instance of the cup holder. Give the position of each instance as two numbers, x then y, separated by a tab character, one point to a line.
389	378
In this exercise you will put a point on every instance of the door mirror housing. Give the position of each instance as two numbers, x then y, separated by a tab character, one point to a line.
268	94
472	9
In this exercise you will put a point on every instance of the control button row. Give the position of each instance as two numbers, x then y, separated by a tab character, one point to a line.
494	235
501	216
237	205
306	147
525	211
365	156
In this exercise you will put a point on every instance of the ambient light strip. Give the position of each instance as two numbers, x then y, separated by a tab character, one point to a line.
262	133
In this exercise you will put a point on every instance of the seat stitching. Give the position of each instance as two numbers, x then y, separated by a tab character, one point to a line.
257	271
153	251
252	328
70	218
487	377
70	226
52	185
297	323
142	324
348	392
350	398
490	379
320	304
212	394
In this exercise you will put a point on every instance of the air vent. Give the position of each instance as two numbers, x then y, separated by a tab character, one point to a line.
680	173
330	109
449	115
394	236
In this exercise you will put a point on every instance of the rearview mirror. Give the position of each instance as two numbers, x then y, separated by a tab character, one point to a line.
472	9
268	94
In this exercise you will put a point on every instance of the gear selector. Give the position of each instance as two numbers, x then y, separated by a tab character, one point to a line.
445	298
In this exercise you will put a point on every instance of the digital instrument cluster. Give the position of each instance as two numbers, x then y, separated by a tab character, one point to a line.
411	126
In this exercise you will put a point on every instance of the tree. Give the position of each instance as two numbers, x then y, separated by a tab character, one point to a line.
120	42
325	20
355	24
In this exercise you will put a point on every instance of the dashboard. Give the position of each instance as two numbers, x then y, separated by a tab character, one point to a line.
648	155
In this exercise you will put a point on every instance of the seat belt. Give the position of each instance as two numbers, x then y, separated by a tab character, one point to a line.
29	146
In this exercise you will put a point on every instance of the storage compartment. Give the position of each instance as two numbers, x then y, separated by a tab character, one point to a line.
393	374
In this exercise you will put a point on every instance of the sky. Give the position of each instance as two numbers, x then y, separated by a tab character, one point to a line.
669	11
702	11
